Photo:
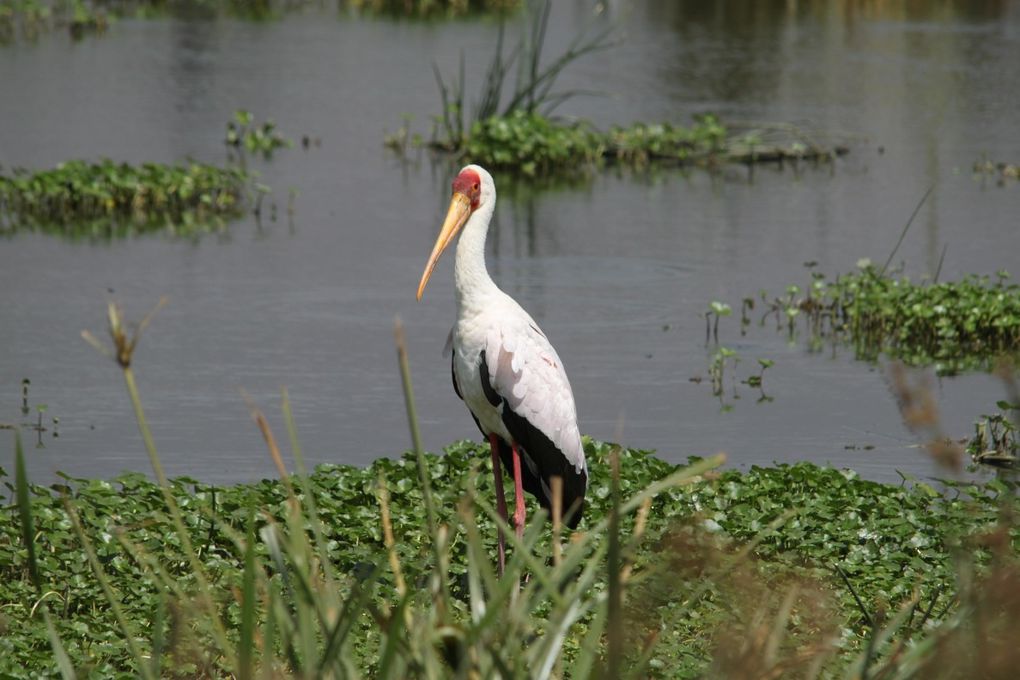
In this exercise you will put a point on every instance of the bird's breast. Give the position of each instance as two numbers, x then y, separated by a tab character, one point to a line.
467	371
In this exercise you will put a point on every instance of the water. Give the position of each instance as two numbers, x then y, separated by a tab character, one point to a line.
617	272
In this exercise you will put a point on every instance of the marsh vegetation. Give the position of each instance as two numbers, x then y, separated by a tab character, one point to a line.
78	199
952	325
512	127
338	572
292	576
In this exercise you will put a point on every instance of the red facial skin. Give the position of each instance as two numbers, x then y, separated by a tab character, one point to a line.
470	184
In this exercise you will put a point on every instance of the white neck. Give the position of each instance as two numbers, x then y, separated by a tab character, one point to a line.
470	276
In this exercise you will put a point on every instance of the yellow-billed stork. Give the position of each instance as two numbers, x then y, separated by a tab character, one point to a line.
505	369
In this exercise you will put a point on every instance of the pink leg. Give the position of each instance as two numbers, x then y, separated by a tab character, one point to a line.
518	494
500	500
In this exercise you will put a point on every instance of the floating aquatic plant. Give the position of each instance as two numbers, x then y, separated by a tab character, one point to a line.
432	8
996	439
244	133
515	131
535	145
107	199
953	326
30	18
1003	171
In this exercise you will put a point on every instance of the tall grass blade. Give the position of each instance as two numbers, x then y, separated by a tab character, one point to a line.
123	353
159	635
383	495
246	646
584	664
423	472
353	608
25	511
394	633
906	228
270	632
614	651
111	598
60	654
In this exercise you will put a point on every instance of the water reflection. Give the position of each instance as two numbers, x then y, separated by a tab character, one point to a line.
194	62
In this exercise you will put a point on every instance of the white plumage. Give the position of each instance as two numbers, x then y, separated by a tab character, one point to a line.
523	369
504	367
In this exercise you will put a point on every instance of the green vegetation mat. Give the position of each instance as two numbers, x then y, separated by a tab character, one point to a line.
953	325
892	543
30	18
536	145
108	199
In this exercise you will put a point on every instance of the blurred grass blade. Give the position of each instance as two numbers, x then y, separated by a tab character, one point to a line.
25	511
352	610
111	598
60	654
584	664
312	508
419	452
614	650
159	635
391	637
269	632
246	648
412	421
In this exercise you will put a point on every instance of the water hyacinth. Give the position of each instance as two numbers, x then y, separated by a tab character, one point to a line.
535	145
727	536
953	325
432	8
107	198
676	571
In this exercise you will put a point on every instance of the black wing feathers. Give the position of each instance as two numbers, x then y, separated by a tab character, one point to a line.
549	461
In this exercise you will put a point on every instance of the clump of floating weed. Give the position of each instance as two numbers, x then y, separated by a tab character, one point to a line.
996	439
432	8
1001	171
516	133
955	326
30	18
243	133
107	198
533	144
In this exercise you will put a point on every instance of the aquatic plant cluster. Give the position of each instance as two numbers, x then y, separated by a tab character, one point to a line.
996	439
954	326
103	199
244	133
29	18
536	145
702	562
429	8
1002	171
521	136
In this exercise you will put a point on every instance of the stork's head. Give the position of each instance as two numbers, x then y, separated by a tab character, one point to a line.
472	188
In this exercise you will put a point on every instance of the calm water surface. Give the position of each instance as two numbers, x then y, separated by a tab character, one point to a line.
618	271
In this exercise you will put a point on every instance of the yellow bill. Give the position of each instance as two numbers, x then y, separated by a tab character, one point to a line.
456	217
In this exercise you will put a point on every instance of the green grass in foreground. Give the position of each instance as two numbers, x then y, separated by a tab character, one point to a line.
694	603
79	199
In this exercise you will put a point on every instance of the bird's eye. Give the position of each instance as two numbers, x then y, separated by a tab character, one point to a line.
475	187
